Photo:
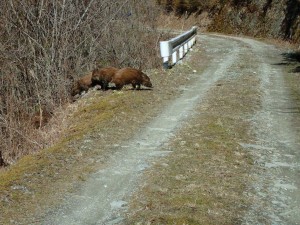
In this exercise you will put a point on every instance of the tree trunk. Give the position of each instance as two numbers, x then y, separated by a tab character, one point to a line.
2	163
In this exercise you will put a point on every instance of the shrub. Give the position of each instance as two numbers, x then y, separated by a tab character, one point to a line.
45	45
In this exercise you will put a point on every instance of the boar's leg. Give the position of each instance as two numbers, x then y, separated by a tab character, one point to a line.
119	86
104	85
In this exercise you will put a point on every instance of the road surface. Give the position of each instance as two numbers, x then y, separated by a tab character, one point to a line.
103	197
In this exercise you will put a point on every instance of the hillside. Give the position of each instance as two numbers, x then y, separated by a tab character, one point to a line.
259	18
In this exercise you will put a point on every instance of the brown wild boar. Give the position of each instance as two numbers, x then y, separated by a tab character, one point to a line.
131	76
83	84
102	76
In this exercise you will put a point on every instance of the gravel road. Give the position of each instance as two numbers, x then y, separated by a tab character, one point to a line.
103	197
277	127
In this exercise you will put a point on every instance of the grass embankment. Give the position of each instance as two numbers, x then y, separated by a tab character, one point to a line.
204	180
98	122
39	179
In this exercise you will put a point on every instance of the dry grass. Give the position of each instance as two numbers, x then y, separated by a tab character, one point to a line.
173	22
92	126
202	182
47	45
252	18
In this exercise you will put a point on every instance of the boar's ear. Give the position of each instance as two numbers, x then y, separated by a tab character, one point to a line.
140	67
94	70
146	76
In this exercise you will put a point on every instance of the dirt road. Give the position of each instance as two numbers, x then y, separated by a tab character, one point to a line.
277	128
105	197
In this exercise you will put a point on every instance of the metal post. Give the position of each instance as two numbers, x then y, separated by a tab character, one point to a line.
165	52
174	57
181	43
185	48
166	63
181	52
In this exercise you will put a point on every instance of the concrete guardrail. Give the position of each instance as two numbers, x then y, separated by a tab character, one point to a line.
177	47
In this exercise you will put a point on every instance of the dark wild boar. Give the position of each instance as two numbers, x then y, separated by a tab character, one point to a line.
131	76
83	84
102	76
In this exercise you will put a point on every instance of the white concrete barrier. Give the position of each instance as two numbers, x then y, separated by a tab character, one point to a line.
177	47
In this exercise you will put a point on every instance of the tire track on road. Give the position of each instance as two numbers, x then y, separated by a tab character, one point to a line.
277	149
101	199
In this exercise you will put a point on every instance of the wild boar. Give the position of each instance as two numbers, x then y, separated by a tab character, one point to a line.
102	76
131	76
83	84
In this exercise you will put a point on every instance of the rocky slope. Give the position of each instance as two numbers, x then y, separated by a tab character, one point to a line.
269	18
259	18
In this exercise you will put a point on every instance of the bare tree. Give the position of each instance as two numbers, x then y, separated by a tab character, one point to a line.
46	44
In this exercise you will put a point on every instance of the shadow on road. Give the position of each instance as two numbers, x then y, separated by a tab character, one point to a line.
291	59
